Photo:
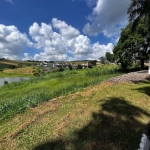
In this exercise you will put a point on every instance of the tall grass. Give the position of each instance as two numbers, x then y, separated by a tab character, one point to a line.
103	70
17	97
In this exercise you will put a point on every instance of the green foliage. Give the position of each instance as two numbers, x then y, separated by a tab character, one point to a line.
133	46
60	69
20	65
103	60
100	71
17	97
90	65
139	9
5	82
12	66
70	67
93	62
79	66
4	66
110	57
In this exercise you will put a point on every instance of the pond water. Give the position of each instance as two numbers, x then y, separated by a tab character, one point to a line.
12	79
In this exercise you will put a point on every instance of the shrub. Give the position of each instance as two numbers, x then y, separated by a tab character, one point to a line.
79	66
5	82
90	66
60	69
12	66
36	74
70	67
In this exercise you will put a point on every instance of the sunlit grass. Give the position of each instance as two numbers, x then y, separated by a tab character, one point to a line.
23	70
106	116
16	97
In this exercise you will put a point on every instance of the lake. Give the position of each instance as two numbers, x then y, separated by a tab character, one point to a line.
12	79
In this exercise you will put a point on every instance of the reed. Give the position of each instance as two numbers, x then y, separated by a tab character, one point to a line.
18	96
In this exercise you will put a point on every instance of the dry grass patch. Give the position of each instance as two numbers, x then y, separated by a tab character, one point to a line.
24	70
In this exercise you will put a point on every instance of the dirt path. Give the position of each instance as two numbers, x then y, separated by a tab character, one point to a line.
133	77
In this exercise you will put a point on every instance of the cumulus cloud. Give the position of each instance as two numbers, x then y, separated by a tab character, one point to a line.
43	56
108	17
12	41
54	45
62	45
27	56
46	39
51	41
65	30
80	45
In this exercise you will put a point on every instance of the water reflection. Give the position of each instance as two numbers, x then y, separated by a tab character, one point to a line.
11	79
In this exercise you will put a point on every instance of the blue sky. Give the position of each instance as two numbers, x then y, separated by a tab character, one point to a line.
60	29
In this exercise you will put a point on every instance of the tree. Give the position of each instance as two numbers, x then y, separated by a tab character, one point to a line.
133	45
110	57
103	60
93	62
137	10
70	67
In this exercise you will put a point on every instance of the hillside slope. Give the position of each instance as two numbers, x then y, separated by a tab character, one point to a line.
108	116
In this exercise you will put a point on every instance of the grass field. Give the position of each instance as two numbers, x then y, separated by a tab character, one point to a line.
8	62
25	94
104	116
24	70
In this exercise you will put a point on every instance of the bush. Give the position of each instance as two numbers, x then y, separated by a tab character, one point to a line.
70	67
90	66
61	69
12	67
79	66
5	82
36	74
20	65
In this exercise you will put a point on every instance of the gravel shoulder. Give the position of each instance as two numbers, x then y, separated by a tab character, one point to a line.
133	77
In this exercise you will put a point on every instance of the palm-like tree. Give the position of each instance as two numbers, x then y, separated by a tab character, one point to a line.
137	10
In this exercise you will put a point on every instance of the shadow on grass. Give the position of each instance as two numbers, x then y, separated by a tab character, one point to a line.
114	127
145	89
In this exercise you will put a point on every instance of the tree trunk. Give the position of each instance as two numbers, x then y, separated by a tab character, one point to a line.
142	64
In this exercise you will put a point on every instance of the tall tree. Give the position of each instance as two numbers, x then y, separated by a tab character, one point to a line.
110	57
137	10
133	45
103	60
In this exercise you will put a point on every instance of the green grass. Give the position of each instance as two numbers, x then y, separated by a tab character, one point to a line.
4	74
3	66
17	97
107	116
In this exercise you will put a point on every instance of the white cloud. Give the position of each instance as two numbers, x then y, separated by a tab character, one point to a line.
12	41
52	45
51	42
80	45
99	50
58	45
108	17
65	30
27	56
44	56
